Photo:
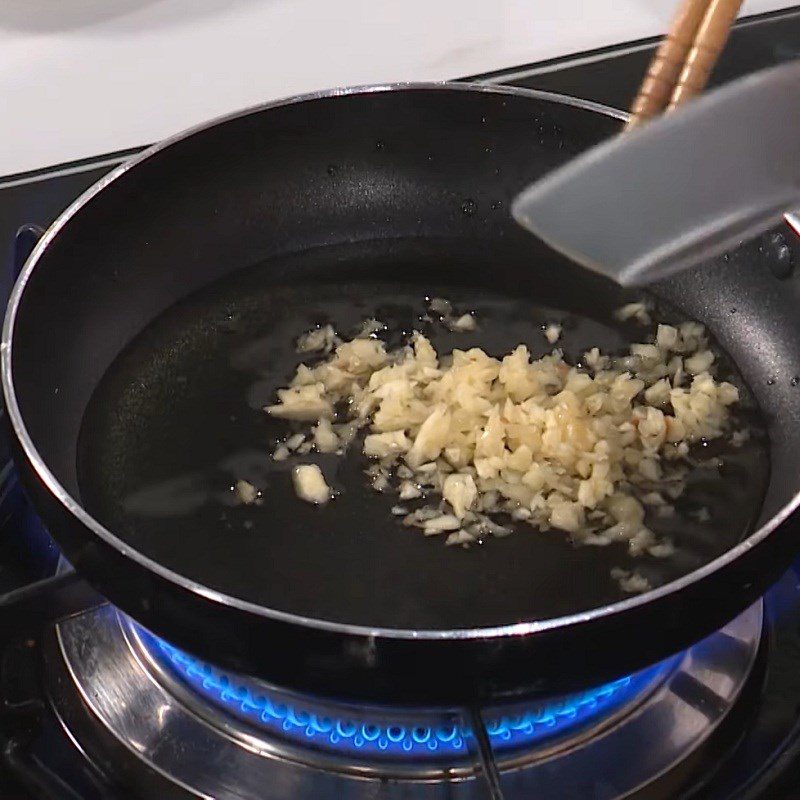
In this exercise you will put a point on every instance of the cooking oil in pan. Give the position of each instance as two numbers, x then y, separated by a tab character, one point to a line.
178	419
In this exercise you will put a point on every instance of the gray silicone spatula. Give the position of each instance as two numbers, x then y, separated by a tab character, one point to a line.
679	190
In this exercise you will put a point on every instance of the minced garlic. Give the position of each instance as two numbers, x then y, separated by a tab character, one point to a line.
579	448
310	485
246	493
552	332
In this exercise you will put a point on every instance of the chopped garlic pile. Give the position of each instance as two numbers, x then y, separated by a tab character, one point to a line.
466	436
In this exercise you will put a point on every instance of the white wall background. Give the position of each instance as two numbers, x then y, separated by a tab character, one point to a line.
84	77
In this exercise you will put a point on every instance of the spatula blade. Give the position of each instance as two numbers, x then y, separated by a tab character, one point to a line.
681	189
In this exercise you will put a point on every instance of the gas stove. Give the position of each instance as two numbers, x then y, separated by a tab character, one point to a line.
228	736
97	707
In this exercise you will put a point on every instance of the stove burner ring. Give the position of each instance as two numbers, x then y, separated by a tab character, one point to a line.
106	670
392	734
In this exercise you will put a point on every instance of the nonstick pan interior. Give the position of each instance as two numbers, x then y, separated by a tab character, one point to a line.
344	195
179	418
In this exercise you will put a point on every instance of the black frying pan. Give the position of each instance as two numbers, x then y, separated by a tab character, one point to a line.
157	314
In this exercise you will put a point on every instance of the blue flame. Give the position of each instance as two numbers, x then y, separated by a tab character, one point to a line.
399	735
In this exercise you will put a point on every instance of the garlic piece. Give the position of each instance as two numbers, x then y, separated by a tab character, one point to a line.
304	403
552	332
309	484
637	311
293	442
316	340
281	453
246	493
462	324
409	490
666	337
461	492
431	437
446	522
699	362
325	439
381	445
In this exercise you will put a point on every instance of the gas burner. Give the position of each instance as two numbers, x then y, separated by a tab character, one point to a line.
390	736
202	732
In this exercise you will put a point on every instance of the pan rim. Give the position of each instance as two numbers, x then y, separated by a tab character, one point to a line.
74	508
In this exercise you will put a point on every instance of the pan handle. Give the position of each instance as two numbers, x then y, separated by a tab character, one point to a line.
26	611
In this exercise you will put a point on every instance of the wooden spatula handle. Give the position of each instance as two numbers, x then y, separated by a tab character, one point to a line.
709	41
667	64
